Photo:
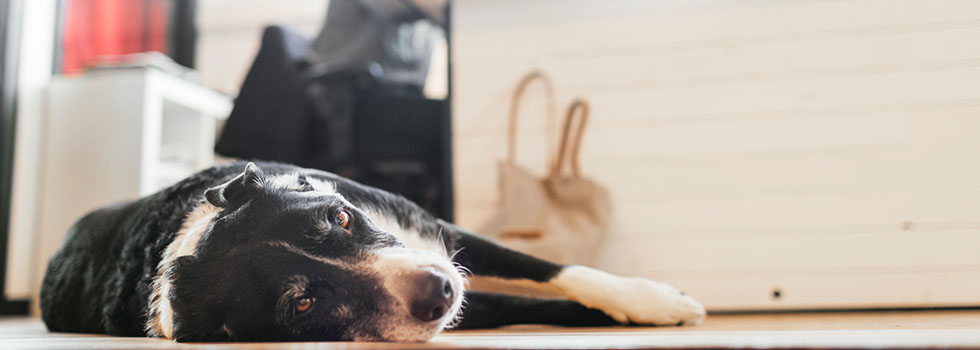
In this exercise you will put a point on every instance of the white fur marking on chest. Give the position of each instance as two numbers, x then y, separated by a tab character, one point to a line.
411	238
160	320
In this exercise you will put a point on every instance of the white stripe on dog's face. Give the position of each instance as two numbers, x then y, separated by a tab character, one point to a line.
325	260
290	182
296	182
323	187
409	237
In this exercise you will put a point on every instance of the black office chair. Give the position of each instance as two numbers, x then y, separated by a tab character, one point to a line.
344	122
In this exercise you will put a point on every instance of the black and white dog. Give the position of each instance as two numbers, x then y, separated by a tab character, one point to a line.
277	252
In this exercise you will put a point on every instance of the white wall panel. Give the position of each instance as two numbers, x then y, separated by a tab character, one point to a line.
230	32
813	146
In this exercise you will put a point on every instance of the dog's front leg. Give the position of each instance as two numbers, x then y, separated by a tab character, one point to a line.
625	299
487	310
629	299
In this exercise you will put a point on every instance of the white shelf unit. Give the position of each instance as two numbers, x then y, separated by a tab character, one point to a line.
115	135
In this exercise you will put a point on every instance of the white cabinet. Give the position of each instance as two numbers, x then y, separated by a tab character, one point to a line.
132	130
119	134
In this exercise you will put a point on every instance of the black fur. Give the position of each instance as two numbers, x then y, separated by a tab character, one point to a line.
494	310
231	287
99	280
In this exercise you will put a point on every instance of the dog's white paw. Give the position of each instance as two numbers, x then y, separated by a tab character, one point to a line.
630	299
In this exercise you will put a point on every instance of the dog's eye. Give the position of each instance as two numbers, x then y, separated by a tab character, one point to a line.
342	219
303	304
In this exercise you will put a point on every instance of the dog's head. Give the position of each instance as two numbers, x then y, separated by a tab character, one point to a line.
289	258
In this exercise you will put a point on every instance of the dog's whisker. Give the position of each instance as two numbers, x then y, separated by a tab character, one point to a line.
463	270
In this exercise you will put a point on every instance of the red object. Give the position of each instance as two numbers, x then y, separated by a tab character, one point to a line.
98	29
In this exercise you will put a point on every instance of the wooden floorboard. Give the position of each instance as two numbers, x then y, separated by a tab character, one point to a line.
861	330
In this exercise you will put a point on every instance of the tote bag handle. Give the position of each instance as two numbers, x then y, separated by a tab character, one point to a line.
515	101
571	139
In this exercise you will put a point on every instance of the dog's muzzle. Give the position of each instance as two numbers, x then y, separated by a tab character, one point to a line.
432	295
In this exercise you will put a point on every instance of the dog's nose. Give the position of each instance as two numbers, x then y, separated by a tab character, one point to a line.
433	296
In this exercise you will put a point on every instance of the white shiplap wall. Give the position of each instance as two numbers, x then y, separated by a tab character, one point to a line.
828	149
230	31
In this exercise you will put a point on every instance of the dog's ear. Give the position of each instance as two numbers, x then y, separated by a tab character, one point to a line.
198	312
238	189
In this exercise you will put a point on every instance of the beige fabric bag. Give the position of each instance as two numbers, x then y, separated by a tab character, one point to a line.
562	217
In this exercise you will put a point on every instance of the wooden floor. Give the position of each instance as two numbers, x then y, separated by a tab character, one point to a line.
905	330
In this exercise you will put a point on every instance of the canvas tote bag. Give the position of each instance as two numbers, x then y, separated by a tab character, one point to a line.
562	217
